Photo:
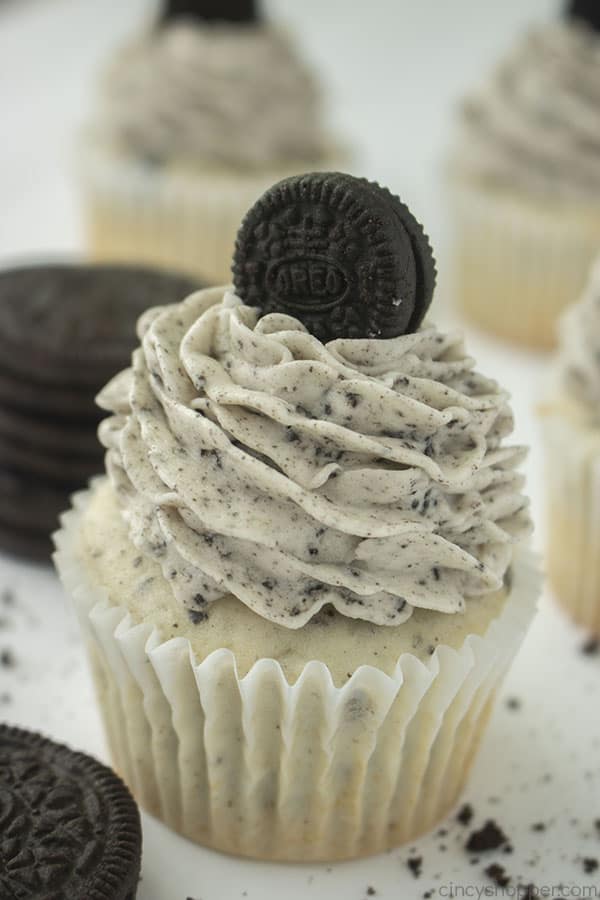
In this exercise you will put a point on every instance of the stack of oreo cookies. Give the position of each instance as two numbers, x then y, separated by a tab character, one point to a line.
64	332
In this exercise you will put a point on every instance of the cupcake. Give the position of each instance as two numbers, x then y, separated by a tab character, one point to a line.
525	181
64	330
194	120
571	426
306	572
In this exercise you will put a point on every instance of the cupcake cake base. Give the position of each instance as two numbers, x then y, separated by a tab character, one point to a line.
285	750
518	264
573	465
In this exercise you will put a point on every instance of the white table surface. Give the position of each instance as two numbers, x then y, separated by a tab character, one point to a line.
394	70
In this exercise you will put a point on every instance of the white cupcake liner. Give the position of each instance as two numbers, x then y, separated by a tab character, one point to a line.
518	263
573	512
175	219
258	767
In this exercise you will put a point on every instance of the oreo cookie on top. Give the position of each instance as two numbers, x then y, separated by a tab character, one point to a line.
239	11
69	828
587	11
65	330
340	253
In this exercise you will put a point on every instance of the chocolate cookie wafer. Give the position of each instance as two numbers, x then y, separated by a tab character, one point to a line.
69	827
64	332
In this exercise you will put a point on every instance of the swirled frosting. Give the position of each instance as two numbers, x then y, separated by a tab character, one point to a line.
536	123
217	93
579	353
250	459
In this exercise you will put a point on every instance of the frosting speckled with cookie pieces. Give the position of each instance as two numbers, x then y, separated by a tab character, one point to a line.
536	123
579	353
217	93
251	459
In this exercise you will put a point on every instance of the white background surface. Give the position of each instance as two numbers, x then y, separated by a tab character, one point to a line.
394	70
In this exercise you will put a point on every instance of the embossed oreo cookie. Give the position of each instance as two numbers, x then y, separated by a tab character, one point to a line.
341	254
241	11
69	828
587	11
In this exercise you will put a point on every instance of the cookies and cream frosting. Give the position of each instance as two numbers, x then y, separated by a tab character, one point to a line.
579	354
536	123
215	93
251	459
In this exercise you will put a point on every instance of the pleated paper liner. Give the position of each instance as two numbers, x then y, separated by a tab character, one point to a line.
258	767
517	263
572	450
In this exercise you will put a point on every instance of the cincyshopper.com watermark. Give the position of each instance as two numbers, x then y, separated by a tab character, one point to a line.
453	891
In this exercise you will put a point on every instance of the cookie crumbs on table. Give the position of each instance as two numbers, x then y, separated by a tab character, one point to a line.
591	647
497	874
465	814
489	837
7	659
415	864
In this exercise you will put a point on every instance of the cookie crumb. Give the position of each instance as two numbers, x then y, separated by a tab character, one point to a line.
490	837
465	814
498	875
513	703
7	659
591	647
590	864
415	864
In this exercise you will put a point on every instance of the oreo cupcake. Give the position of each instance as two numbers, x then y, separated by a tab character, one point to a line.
525	181
306	573
194	120
571	424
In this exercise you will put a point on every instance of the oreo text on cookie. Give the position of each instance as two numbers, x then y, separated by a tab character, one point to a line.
339	253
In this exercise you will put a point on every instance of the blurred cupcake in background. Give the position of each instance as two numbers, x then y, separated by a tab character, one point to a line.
525	181
572	440
194	120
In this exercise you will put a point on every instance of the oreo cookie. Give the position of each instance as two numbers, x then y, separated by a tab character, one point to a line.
240	11
69	828
587	11
340	253
73	325
32	504
64	332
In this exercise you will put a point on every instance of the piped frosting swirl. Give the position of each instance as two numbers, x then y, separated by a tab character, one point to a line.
221	94
251	459
536	123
